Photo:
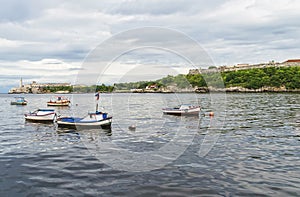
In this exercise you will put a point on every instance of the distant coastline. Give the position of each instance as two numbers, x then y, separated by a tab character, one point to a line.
245	78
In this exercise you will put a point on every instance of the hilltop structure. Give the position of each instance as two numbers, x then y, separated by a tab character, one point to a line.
36	88
291	62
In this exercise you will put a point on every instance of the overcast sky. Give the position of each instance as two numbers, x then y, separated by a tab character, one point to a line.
48	41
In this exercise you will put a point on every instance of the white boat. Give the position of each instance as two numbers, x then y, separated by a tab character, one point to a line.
92	120
19	100
184	109
41	115
59	101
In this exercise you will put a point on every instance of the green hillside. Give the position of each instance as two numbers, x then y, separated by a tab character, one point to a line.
256	78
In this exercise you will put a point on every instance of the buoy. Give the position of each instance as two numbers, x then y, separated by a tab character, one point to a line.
211	114
132	127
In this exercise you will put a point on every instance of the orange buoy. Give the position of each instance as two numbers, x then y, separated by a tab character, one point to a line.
211	114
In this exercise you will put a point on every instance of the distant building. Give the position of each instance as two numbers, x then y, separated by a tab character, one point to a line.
151	87
292	62
34	87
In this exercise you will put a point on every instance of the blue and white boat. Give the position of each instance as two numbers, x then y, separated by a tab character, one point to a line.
92	120
41	115
19	100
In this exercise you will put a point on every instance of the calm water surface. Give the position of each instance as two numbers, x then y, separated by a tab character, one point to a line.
256	152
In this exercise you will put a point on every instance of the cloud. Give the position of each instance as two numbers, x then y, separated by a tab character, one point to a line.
231	32
44	70
21	10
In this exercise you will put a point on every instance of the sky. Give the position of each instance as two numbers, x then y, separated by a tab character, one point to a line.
51	41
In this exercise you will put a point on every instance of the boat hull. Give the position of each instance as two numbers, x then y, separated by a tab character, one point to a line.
40	118
65	122
180	112
57	104
41	115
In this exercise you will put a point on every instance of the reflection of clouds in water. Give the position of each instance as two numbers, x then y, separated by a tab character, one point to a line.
297	123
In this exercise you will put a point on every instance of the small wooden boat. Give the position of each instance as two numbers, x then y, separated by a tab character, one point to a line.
59	101
41	115
185	109
92	120
20	100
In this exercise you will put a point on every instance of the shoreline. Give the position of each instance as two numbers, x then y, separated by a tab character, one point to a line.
160	92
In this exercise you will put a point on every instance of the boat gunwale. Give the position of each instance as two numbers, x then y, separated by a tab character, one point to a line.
76	122
35	114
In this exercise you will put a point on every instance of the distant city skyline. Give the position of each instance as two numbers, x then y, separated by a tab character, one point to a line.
48	41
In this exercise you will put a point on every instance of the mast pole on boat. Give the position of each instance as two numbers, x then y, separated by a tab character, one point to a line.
97	95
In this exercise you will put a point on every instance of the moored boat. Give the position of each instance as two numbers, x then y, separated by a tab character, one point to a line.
184	109
20	100
92	120
41	115
59	101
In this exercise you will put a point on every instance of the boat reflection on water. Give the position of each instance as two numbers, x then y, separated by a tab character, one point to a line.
100	132
66	135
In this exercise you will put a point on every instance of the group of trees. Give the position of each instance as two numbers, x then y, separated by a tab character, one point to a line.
208	79
93	88
180	81
264	77
251	78
57	88
81	89
136	85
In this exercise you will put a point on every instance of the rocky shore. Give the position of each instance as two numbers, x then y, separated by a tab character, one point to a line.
213	89
246	90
